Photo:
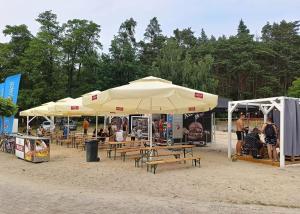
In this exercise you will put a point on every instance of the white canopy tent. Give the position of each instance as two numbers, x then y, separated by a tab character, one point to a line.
67	107
151	95
42	110
266	105
71	107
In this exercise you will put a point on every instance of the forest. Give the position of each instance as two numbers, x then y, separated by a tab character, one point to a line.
66	59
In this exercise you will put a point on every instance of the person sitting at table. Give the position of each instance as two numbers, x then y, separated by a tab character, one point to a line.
133	134
253	144
119	135
109	129
65	132
102	135
94	133
40	132
139	133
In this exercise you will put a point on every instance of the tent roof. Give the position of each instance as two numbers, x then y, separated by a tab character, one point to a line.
151	95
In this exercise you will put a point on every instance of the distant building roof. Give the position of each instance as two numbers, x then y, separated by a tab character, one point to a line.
223	105
223	102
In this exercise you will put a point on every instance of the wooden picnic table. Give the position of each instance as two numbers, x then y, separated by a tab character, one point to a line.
114	145
148	151
175	147
84	138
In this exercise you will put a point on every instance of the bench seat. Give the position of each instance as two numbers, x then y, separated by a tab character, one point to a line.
153	164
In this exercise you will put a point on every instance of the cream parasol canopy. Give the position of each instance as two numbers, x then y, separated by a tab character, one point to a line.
151	95
71	107
42	110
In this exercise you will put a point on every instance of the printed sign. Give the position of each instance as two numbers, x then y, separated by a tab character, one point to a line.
177	126
74	107
192	109
41	152
11	90
199	95
140	125
94	97
197	127
29	149
20	148
36	150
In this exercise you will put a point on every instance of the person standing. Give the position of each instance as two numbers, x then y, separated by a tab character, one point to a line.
133	134
270	131
39	132
109	130
119	135
125	127
240	133
85	126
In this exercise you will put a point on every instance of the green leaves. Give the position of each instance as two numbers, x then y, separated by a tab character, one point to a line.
294	90
7	107
65	59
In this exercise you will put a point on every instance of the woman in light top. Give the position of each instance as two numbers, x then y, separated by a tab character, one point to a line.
119	137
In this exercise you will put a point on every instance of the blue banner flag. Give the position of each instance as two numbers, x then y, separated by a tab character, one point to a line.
11	90
1	95
2	89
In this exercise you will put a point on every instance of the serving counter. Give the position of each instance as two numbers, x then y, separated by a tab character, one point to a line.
32	148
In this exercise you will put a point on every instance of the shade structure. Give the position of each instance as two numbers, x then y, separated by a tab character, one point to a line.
151	95
71	107
42	110
89	99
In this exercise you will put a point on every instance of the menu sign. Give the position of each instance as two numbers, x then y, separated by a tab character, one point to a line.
20	148
177	126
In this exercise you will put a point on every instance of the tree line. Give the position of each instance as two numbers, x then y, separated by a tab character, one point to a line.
65	59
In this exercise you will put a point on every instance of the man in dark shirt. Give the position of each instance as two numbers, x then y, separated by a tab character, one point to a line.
253	143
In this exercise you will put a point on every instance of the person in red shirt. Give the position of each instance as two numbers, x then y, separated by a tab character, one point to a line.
85	126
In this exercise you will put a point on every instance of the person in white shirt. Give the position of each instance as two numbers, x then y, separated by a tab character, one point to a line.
119	135
139	133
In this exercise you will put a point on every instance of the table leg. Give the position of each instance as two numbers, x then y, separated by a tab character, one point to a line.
115	152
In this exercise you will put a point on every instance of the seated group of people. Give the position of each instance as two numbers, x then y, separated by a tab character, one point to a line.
100	133
250	143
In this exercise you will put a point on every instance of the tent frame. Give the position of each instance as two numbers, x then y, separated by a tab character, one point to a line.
266	105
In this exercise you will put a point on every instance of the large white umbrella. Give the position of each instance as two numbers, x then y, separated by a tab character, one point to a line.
42	110
71	107
152	95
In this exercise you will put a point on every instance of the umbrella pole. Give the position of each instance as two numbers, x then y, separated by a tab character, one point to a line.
27	124
150	129
104	123
68	127
96	127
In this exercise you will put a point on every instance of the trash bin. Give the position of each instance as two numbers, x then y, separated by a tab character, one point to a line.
91	148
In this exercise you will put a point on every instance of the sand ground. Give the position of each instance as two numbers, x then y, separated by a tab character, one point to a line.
68	184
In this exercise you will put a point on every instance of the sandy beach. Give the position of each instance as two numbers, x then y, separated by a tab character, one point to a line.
68	184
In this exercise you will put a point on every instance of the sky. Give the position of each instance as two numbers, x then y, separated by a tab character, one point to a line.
217	17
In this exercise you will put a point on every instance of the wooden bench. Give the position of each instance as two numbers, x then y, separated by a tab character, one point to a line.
123	151
138	158
153	164
65	141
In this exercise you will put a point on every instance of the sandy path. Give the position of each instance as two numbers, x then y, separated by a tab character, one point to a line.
31	198
67	184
